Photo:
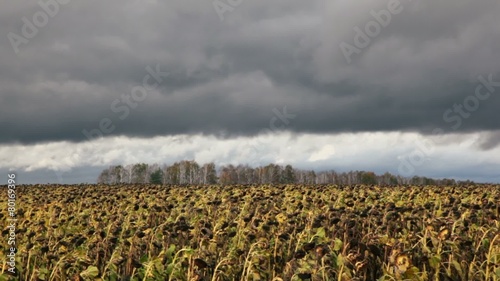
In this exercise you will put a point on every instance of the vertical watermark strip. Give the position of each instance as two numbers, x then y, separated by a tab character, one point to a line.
11	219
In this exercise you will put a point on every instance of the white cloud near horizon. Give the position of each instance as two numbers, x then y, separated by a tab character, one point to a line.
454	156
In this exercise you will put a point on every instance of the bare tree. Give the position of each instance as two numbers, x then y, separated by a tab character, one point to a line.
103	177
139	173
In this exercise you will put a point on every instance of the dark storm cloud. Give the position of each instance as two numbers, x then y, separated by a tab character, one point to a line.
226	77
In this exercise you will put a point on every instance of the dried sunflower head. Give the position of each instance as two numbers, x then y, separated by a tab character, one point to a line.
199	263
444	233
320	250
402	263
394	254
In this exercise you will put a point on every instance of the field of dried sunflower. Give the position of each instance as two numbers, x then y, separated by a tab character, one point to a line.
279	232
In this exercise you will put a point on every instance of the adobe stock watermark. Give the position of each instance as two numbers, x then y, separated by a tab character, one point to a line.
126	102
454	116
363	37
30	28
223	6
121	107
12	220
279	121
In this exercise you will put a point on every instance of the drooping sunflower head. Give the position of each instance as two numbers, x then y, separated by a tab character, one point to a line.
402	263
394	254
444	233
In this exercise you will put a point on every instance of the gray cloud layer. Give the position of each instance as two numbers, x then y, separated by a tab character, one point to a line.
225	77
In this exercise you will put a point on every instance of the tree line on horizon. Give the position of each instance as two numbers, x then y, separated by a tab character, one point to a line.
191	173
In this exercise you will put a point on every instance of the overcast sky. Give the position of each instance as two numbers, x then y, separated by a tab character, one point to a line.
404	86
